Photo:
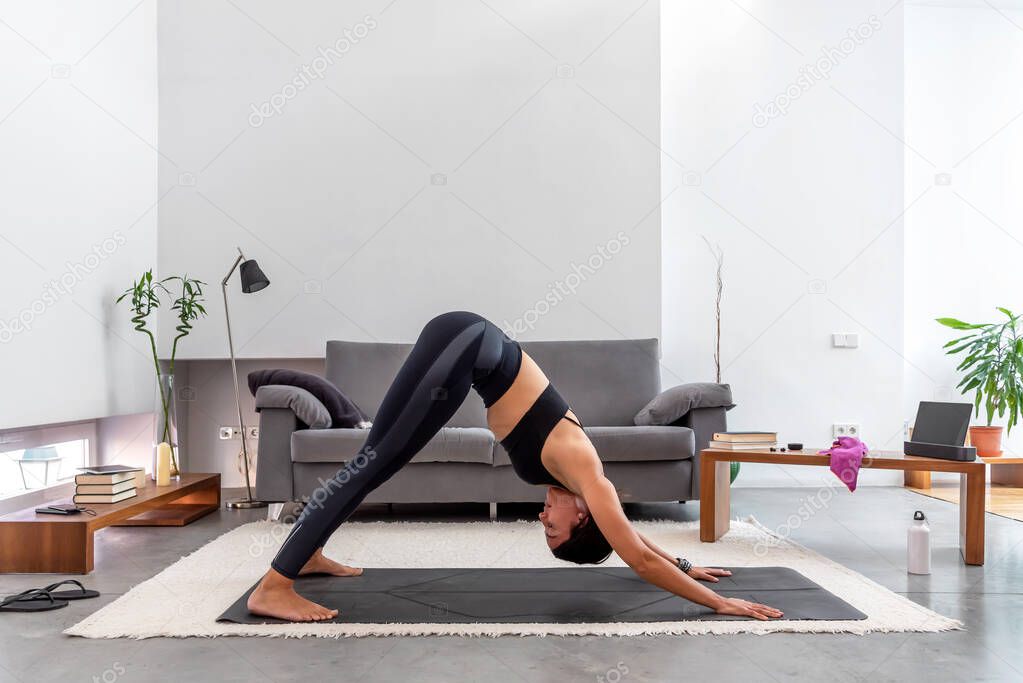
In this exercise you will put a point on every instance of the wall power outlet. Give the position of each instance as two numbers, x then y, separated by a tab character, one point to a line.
226	432
845	429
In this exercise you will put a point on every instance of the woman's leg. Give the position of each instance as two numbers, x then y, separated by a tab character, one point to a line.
429	388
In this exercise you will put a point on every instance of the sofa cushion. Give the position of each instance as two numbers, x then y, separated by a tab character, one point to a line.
606	382
671	404
451	444
632	444
364	371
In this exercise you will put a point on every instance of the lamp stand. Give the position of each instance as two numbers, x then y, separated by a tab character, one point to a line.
248	502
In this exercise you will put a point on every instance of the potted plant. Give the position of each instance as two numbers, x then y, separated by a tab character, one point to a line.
992	368
187	306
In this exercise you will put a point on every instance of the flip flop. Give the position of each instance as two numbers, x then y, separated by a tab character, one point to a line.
34	600
81	594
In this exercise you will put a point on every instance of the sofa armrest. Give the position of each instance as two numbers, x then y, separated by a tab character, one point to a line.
275	481
704	422
309	409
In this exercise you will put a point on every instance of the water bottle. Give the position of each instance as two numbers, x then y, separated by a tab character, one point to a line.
919	545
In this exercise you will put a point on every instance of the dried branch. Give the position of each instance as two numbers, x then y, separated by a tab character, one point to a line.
719	258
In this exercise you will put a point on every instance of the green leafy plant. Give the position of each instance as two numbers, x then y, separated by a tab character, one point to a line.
992	365
143	299
188	307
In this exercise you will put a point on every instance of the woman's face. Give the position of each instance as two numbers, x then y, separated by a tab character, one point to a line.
562	512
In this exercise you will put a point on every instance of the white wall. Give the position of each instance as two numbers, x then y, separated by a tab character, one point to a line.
77	130
806	208
460	155
807	205
964	238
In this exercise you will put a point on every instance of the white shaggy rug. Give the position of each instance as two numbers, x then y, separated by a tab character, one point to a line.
186	598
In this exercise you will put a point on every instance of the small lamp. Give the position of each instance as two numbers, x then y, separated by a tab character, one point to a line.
253	279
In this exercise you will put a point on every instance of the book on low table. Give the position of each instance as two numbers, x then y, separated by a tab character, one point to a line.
107	469
105	497
741	446
105	489
746	437
106	475
104	479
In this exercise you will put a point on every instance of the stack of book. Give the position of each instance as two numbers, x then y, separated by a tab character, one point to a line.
744	441
105	484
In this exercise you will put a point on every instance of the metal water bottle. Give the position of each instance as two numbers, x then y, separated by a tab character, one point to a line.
918	545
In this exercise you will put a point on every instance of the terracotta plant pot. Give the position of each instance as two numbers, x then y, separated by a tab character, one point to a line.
988	441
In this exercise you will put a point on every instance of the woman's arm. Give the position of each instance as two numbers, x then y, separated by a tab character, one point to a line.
701	573
652	566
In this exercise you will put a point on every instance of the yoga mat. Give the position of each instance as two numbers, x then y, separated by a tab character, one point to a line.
570	595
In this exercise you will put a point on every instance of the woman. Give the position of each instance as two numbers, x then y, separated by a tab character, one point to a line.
582	518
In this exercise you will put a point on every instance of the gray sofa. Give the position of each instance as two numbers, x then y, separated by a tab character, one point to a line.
605	382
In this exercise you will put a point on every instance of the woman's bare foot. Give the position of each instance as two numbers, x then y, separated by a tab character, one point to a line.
275	596
321	564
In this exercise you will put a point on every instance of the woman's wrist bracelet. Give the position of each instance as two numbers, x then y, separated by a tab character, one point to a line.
683	564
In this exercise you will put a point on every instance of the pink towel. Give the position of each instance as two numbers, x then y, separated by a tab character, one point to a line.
846	456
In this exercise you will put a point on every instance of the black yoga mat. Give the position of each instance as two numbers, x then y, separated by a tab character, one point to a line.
569	596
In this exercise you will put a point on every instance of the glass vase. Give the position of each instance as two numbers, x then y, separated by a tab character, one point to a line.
165	421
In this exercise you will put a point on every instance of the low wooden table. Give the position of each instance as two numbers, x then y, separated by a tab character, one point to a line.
62	544
1006	471
715	492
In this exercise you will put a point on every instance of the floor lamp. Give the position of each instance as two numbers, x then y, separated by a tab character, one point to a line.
253	280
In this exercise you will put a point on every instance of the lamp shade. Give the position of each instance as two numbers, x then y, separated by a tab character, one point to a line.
253	278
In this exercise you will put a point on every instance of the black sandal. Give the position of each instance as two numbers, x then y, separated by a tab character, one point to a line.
81	594
34	600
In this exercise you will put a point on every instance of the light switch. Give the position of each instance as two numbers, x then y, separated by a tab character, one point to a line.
838	340
852	341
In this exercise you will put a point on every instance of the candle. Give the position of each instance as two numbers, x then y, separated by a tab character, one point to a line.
163	461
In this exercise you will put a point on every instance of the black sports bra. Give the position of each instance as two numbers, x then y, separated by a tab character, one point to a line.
525	441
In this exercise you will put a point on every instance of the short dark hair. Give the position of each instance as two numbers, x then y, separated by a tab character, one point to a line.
585	545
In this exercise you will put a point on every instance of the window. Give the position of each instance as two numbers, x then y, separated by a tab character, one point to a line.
40	458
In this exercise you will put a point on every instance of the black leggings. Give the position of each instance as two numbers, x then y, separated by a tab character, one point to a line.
454	351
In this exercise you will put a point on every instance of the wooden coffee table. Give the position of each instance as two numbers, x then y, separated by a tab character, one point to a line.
58	544
715	492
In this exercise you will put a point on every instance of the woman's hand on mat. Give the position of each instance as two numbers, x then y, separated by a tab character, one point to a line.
708	573
742	608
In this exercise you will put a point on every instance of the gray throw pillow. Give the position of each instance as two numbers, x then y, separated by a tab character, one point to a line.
671	404
306	407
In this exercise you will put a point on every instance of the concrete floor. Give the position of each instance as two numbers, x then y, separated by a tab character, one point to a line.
865	531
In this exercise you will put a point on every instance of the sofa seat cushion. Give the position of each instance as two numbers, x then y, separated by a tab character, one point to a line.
451	444
632	444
